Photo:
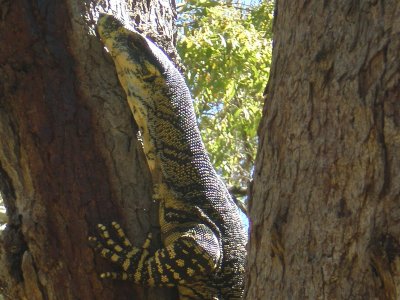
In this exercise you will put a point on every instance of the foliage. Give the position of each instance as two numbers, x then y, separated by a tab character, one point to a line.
226	49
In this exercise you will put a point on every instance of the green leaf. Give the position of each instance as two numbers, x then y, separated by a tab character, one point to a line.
227	53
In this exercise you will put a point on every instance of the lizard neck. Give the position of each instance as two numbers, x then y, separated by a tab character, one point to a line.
140	114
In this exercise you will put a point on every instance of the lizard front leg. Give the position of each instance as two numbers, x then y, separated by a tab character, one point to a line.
180	263
121	253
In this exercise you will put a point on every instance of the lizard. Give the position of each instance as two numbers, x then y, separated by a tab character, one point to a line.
204	241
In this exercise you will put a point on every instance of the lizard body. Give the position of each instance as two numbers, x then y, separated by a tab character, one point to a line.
202	233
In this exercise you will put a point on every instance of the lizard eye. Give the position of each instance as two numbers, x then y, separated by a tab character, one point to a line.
149	78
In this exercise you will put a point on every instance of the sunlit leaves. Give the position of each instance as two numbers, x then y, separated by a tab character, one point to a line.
226	49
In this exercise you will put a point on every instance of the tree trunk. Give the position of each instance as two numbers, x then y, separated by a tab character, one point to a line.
325	200
69	156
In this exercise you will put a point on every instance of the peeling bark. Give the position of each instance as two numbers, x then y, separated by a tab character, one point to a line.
325	200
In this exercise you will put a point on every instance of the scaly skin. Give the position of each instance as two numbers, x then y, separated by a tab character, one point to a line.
203	236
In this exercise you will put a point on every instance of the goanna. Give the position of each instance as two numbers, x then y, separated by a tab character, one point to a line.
202	233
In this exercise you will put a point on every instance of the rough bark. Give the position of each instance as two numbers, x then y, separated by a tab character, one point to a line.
325	200
69	157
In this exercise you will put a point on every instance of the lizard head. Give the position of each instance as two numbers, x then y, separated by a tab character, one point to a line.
145	72
133	54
